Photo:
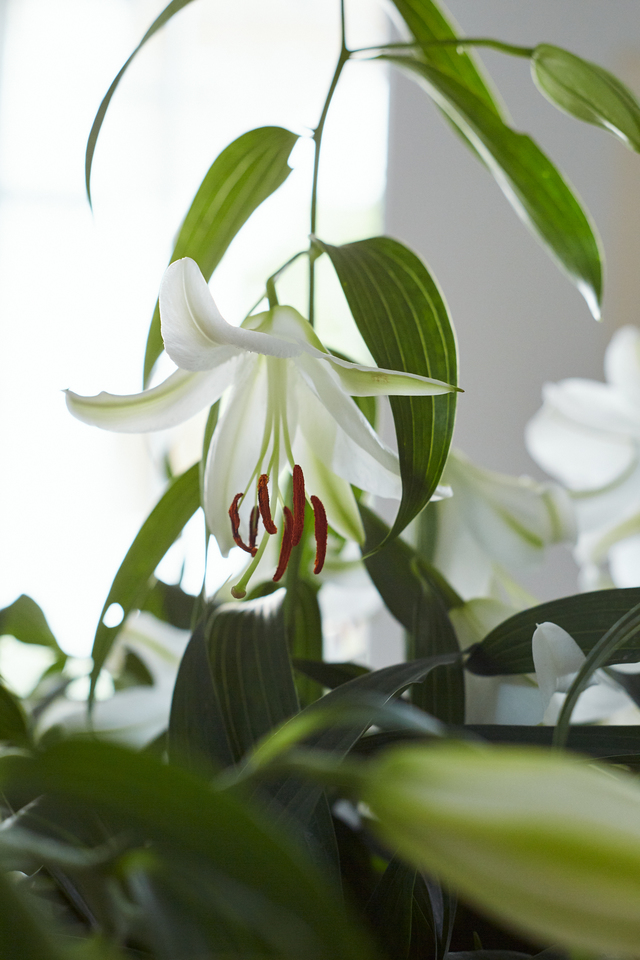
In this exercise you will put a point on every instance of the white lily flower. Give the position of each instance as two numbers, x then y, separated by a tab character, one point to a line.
494	524
287	402
587	435
557	659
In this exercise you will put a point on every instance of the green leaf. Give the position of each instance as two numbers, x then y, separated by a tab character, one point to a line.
160	21
587	91
131	583
530	182
418	596
14	728
329	675
616	744
389	911
247	172
586	616
24	620
168	602
23	936
182	817
404	321
428	23
304	634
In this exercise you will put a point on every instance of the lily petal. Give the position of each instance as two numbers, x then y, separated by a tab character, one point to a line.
234	451
178	398
193	329
556	657
373	468
622	363
361	381
336	494
346	416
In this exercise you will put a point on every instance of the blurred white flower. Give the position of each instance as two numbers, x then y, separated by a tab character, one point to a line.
587	435
495	525
557	659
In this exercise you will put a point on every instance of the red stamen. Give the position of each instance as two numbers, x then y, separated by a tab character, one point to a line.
253	530
235	525
321	530
263	503
286	546
299	504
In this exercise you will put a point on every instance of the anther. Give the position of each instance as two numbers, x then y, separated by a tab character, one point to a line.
286	546
298	504
263	503
235	525
321	530
253	530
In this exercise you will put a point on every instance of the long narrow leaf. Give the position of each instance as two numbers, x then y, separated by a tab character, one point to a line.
171	9
246	172
586	616
404	321
530	182
25	621
131	583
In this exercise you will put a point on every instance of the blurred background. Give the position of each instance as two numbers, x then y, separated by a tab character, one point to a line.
77	289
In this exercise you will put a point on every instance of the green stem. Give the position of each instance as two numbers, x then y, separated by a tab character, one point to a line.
510	48
317	139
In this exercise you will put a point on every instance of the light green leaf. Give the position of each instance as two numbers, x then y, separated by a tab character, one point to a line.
428	23
247	172
160	21
587	91
530	182
25	621
131	583
14	728
404	321
586	616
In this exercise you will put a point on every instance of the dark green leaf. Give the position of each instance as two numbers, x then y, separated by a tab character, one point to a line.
247	172
168	602
587	91
131	583
530	182
436	908
329	674
428	23
23	935
603	743
25	621
251	670
389	910
586	616
176	811
404	321
304	634
160	21
14	728
298	798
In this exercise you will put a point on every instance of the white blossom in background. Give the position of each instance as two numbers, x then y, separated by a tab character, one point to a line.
587	435
557	659
495	525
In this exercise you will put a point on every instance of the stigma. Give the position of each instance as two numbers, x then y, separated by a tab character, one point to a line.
293	519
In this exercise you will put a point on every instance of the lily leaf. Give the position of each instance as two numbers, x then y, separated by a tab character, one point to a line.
404	321
14	728
246	172
183	821
161	19
131	583
24	620
418	596
531	183
587	91
428	23
586	616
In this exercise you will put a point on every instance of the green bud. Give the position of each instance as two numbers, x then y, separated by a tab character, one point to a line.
544	842
586	91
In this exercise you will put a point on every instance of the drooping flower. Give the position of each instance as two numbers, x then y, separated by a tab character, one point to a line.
587	435
287	401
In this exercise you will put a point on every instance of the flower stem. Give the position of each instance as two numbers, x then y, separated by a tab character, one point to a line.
510	48
317	139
